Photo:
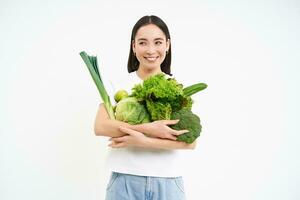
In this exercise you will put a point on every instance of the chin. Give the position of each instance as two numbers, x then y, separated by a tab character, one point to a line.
151	67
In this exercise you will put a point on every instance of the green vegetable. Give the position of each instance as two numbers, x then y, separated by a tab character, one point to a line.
156	98
159	110
121	94
162	95
187	121
158	86
131	111
190	90
92	65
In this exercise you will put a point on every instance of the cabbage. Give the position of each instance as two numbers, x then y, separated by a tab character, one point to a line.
131	111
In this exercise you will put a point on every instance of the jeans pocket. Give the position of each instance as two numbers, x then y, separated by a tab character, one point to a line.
112	179
179	183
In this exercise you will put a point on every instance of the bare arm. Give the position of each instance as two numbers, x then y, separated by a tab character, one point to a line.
104	126
158	143
138	139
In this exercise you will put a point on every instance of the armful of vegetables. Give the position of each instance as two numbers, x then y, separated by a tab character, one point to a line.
156	98
160	98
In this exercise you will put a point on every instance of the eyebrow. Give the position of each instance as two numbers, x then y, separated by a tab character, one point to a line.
146	39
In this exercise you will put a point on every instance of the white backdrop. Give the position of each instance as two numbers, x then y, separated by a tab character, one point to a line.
246	51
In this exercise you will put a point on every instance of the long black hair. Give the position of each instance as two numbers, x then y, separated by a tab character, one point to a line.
133	63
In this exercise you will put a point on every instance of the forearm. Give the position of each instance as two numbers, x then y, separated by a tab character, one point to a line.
109	128
157	143
104	126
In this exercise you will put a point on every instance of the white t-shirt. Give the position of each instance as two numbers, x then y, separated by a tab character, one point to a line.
141	161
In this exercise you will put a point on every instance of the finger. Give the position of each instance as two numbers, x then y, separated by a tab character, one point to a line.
180	132
172	137
112	143
170	122
118	139
117	145
128	130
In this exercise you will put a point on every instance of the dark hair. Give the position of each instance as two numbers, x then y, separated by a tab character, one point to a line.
133	63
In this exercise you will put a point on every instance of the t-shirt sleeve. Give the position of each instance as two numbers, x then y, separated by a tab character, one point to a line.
125	82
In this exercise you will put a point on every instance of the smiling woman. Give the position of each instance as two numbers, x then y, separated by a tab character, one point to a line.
150	48
144	159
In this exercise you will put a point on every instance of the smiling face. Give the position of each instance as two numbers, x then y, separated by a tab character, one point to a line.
150	46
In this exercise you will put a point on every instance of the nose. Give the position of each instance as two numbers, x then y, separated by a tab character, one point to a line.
151	49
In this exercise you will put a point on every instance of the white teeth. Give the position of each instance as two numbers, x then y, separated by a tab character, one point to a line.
151	58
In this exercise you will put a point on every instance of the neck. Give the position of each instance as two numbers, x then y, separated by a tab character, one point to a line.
144	73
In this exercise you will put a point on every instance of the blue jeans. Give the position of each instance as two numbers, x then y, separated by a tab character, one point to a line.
131	187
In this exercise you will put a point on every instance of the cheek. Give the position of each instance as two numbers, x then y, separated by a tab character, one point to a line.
140	51
162	50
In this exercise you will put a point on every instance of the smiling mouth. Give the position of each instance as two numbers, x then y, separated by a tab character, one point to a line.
151	59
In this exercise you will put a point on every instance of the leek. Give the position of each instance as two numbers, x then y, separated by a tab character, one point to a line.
92	65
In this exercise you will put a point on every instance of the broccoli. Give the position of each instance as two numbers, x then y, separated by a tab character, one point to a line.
187	121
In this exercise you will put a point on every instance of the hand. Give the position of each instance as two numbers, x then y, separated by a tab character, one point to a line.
134	138
160	129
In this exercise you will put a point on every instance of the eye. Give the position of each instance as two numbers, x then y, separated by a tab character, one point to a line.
142	43
158	42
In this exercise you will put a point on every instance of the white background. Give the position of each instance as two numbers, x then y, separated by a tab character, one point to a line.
246	51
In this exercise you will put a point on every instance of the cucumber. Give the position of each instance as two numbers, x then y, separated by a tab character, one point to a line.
192	89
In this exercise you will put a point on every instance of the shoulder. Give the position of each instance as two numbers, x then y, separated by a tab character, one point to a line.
179	79
127	81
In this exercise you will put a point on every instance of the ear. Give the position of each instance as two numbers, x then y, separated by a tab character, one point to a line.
168	44
133	45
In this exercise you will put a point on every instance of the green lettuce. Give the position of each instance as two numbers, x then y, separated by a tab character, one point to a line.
161	96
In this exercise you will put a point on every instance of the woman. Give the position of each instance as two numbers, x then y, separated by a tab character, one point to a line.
144	158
